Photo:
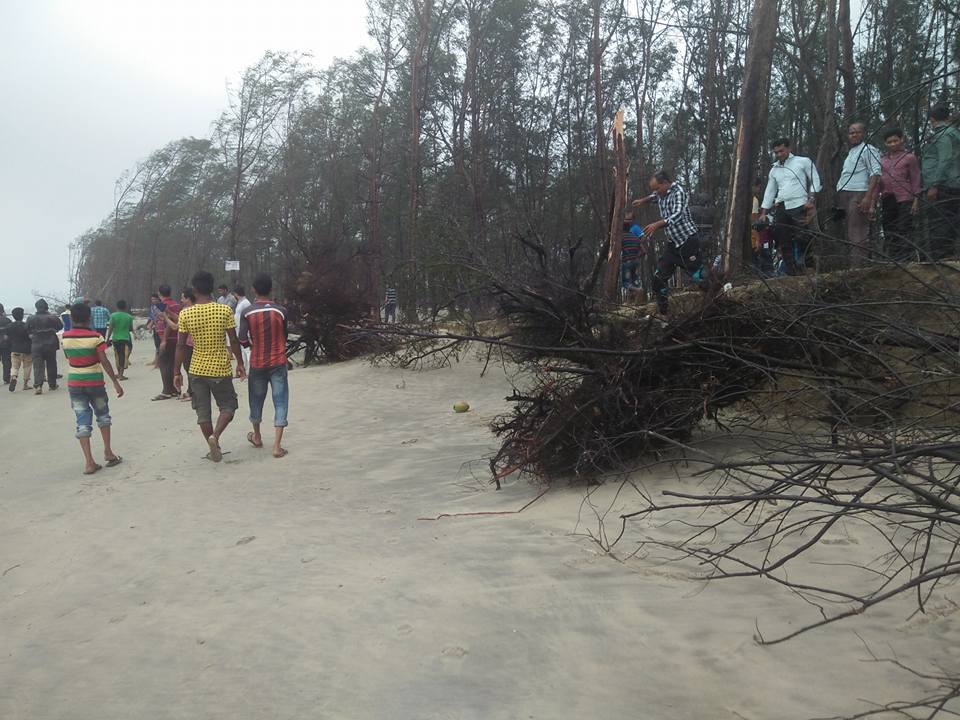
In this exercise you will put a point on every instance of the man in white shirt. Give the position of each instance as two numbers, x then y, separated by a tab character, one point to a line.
792	189
225	297
857	192
243	302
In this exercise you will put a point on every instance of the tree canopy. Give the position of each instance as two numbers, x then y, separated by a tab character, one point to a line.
465	125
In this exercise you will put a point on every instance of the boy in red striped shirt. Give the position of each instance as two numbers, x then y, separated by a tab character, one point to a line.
263	328
86	352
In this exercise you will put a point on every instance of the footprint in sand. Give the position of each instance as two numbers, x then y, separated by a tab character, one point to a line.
404	629
245	540
840	541
453	651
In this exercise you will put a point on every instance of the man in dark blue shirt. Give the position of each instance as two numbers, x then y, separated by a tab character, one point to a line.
44	344
20	349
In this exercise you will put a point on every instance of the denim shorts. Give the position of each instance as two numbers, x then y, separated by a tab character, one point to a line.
87	402
258	380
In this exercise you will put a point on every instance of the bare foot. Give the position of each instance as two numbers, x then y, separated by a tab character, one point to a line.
215	453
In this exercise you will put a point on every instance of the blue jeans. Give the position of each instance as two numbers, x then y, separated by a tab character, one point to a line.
257	381
629	274
87	402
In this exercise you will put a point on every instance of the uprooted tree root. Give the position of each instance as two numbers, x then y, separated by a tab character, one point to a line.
333	323
836	397
848	350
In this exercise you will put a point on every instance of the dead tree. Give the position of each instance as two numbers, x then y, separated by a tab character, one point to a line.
763	30
611	276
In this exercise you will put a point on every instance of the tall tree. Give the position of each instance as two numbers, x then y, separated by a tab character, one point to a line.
763	26
251	131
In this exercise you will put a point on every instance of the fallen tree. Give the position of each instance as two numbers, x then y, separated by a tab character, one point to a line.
835	399
857	349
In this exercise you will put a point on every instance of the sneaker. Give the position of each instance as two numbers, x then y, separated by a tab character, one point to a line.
38	391
13	385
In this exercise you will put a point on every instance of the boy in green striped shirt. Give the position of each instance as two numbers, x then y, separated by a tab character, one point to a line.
86	352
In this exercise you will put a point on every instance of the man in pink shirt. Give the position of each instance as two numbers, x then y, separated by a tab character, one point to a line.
899	196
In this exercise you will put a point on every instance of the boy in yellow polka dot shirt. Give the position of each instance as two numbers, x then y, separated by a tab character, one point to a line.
211	326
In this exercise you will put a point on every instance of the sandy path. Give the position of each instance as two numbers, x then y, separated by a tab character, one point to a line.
170	587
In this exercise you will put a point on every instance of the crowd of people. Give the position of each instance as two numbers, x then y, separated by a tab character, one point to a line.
194	336
875	192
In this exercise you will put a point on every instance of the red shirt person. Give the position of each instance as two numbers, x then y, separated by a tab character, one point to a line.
263	328
900	185
168	343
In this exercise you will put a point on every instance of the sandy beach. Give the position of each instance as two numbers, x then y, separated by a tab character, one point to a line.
170	587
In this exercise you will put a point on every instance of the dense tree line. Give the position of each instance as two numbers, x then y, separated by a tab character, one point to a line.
466	126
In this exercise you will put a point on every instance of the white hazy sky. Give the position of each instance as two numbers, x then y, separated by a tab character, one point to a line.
89	87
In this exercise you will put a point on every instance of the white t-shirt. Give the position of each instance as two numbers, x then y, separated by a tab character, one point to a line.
242	305
861	164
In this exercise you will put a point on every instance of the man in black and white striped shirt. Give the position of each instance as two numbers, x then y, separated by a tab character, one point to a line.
682	248
390	305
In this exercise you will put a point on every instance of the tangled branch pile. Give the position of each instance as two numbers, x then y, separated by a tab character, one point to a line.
865	350
332	319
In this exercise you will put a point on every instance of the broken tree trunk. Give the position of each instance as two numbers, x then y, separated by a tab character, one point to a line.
611	275
763	34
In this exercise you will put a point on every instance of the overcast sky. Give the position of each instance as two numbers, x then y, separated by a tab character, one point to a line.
89	87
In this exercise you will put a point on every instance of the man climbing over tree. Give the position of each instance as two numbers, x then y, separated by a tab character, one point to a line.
682	248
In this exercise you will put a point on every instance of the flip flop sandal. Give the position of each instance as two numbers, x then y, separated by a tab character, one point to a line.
161	396
283	451
113	462
250	440
96	467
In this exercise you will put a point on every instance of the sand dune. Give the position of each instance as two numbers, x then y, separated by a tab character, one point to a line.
307	587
